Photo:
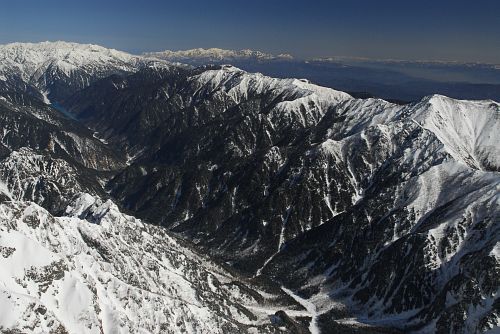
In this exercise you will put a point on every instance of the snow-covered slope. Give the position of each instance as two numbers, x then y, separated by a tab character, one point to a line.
467	129
298	100
422	228
93	269
31	60
97	270
113	275
58	69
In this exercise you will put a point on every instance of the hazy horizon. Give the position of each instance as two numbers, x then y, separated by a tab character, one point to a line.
388	29
333	57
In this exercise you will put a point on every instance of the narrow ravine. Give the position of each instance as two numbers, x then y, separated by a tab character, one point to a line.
63	111
310	307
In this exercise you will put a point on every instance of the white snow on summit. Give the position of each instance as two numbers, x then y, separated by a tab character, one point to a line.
467	129
40	64
31	59
304	101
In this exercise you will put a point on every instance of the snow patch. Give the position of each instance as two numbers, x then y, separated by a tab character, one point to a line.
310	307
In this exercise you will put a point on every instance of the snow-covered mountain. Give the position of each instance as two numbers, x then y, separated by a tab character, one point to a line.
272	161
58	69
215	55
373	217
94	269
31	60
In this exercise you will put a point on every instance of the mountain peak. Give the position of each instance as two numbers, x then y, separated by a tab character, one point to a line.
44	65
466	128
67	51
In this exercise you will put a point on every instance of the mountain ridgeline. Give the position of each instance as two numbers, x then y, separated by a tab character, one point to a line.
315	211
393	80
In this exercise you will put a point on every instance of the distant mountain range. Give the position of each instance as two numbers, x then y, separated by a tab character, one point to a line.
139	194
398	80
215	54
